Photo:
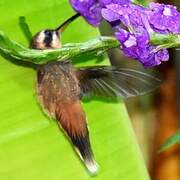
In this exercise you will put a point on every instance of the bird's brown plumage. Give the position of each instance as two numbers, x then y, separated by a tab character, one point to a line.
59	92
72	118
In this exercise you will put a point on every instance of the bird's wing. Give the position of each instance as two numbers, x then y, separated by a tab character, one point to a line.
112	81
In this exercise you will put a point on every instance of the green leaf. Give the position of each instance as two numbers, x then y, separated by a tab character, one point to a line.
175	139
141	2
165	40
92	47
31	146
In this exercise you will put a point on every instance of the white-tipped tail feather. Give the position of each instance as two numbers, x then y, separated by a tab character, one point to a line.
83	149
92	166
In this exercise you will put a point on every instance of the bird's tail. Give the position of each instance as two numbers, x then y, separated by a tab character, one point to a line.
71	118
83	148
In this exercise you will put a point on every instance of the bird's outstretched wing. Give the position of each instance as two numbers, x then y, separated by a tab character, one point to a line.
112	81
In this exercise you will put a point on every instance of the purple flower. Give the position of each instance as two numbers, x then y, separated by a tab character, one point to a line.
164	18
128	14
135	35
137	47
91	9
114	12
161	18
121	2
134	25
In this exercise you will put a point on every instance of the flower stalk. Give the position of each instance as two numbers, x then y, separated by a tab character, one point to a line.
93	47
166	40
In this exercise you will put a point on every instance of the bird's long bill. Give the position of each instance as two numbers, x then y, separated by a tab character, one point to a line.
62	27
73	121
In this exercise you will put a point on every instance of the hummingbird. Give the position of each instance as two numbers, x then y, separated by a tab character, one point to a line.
61	86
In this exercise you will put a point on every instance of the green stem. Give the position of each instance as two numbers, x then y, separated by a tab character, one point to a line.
141	2
165	40
68	51
19	52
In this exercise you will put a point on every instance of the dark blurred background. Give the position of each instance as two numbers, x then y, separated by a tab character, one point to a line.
156	116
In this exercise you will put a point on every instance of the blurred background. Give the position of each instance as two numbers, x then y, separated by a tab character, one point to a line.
156	116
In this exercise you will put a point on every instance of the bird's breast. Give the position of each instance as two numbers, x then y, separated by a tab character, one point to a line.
56	84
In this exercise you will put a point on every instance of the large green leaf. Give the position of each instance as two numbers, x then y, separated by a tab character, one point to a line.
31	145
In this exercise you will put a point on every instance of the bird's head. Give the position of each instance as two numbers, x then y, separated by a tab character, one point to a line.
49	38
46	39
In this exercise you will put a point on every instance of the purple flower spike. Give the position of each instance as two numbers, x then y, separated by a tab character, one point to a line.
121	2
164	18
155	59
129	14
135	36
134	25
89	9
136	46
111	15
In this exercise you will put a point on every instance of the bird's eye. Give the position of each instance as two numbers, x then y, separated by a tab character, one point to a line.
47	33
48	37
57	33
